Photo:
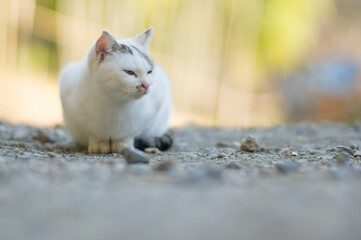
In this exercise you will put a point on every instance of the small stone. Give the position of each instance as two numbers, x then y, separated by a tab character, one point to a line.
134	156
357	153
294	154
342	158
164	166
250	144
285	150
287	167
228	144
152	150
354	146
41	138
226	152
21	134
61	133
233	165
340	148
312	152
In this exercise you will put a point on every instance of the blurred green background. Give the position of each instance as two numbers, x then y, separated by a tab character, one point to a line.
230	62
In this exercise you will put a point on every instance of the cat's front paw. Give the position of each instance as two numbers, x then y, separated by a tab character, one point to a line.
117	146
99	147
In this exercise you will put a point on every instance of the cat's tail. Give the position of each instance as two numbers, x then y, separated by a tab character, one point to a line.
163	142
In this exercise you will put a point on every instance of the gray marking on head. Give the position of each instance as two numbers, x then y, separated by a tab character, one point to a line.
148	59
125	49
115	47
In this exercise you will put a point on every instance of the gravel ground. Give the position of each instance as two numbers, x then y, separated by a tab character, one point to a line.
299	181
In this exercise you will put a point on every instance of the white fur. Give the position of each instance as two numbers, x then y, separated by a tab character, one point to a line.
102	105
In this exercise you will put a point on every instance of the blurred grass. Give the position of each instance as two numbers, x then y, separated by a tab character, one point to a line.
218	53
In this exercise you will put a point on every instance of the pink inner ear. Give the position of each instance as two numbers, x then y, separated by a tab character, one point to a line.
104	43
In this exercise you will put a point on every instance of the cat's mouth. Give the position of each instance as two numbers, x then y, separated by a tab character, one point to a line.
140	94
142	91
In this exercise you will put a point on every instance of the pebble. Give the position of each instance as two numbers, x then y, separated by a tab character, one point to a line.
354	146
61	133
233	165
342	158
152	150
341	149
164	166
287	167
51	155
357	153
294	154
250	144
312	152
229	144
134	156
226	152
41	137
21	134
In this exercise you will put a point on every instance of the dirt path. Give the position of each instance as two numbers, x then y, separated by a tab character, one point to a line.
303	182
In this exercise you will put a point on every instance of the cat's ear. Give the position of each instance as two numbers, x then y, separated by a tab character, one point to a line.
145	37
105	44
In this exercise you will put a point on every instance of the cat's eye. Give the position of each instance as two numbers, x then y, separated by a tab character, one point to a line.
149	72
131	73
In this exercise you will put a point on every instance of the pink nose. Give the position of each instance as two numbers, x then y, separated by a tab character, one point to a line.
145	85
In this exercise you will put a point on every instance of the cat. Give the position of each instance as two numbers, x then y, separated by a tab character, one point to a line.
117	97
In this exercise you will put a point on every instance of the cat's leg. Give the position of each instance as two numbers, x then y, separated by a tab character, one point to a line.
163	142
117	146
98	146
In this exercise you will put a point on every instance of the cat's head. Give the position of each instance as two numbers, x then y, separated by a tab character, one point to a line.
123	68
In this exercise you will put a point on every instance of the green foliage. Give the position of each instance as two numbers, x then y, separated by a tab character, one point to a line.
51	4
288	29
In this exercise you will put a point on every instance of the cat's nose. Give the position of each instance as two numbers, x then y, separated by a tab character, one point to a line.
145	86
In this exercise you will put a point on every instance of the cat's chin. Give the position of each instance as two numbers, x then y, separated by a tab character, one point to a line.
140	95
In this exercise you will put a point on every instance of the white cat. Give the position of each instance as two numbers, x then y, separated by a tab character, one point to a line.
115	94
